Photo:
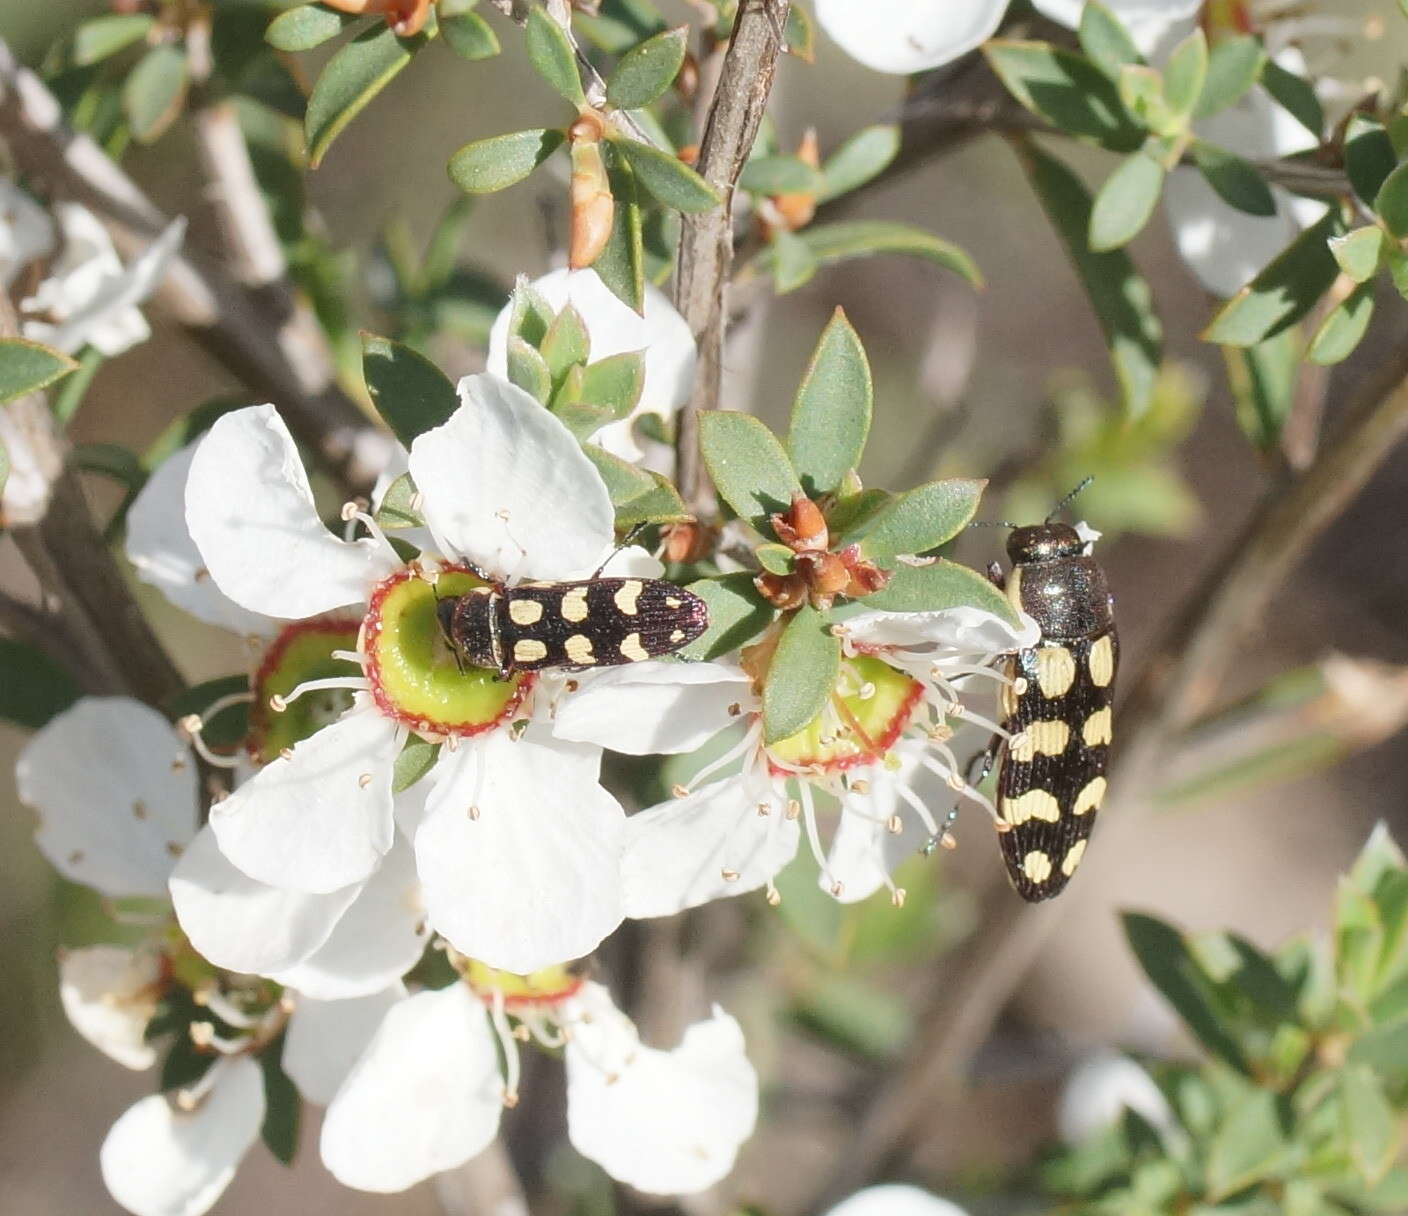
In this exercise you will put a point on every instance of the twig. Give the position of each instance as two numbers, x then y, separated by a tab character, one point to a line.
258	335
706	242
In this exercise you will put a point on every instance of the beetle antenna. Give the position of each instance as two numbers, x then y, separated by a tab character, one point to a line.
1066	502
993	523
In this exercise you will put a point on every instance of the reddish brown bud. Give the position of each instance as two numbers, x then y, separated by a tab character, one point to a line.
687	82
687	542
593	207
803	527
689	154
405	17
783	591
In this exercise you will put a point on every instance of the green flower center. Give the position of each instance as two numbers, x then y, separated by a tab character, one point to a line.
546	987
870	705
415	675
302	652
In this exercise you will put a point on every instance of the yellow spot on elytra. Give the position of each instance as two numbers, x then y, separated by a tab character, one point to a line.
1036	865
1008	697
1097	728
677	635
1034	804
1102	661
1072	858
1089	799
579	649
632	649
1047	738
1055	671
524	612
529	650
672	601
627	594
574	605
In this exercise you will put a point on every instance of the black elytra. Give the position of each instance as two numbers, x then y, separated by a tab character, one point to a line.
595	622
1056	710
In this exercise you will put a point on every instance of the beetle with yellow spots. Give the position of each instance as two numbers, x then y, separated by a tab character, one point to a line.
1055	708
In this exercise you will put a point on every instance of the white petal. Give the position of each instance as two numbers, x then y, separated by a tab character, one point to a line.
27	433
633	562
665	1122
321	819
251	513
379	938
968	631
115	790
244	925
159	1161
895	1199
863	850
653	708
613	329
1148	21
160	548
904	36
1100	1089
424	1097
325	1038
110	994
536	878
93	298
26	231
677	852
507	486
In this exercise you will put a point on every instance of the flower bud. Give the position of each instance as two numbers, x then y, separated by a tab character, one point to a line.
686	542
593	207
803	527
825	575
782	591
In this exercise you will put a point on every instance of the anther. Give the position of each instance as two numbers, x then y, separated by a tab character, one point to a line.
764	809
894	825
364	780
794	808
734	710
285	753
191	724
838	888
729	875
774	896
949	840
510	1098
955	781
473	812
860	786
522	1033
277	703
350	511
679	791
897	897
452	743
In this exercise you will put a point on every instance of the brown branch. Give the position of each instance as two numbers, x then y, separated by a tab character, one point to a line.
259	334
706	242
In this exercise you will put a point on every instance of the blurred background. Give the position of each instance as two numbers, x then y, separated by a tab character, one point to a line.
993	383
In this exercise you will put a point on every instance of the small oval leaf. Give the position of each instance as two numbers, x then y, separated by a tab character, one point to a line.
748	465
155	91
26	367
920	519
306	27
500	161
352	77
667	177
832	411
410	393
647	70
1125	202
551	54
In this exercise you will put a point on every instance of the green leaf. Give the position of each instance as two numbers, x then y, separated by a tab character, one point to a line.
1233	67
661	504
1237	182
529	370
468	35
748	465
780	175
1391	202
668	178
1344	327
1105	40
615	382
1263	380
801	675
919	520
624	481
800	34
792	261
349	81
417	758
1163	953
397	508
551	55
1370	1124
282	1105
155	91
410	393
860	159
1249	1146
1185	73
34	688
1141	92
1283	292
775	558
1294	95
487	165
26	367
1125	202
1067	91
737	615
303	28
619	24
831	243
581	419
938	586
1120	296
566	343
531	313
1368	155
95	40
831	413
621	262
647	70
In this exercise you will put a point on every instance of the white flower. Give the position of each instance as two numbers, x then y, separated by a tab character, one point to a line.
1225	247
26	231
36	457
427	1094
884	730
895	1199
906	36
109	994
89	299
614	329
1100	1089
518	849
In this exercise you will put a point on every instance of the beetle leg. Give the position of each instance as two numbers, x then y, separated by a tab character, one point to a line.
996	576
